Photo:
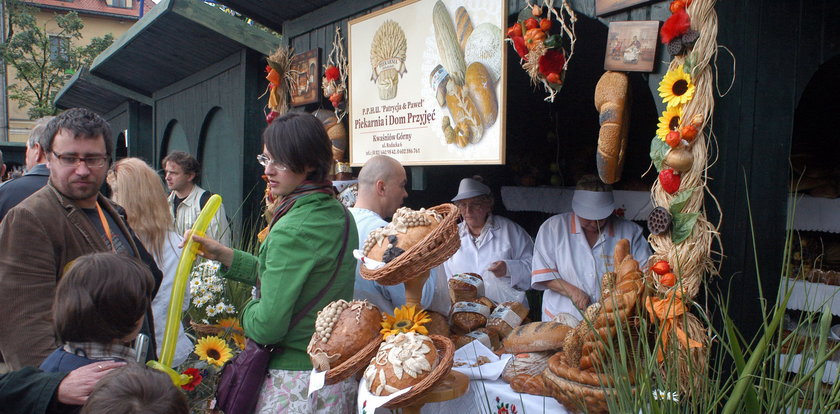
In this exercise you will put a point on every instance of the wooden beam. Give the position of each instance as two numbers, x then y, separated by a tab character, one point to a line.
226	25
120	90
333	12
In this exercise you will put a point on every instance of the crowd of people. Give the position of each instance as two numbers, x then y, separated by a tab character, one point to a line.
82	275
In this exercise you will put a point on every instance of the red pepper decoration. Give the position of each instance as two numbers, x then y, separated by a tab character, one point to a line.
331	73
676	25
669	180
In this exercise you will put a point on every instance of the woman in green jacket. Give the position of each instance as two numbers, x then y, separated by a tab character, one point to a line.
296	260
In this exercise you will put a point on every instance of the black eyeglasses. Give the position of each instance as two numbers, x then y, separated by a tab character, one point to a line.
93	161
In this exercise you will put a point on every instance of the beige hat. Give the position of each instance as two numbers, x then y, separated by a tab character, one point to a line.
470	188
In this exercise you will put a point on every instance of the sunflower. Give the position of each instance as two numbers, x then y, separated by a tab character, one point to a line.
405	320
669	121
676	87
232	326
214	350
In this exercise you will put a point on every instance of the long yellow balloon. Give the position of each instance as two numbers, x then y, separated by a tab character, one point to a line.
179	287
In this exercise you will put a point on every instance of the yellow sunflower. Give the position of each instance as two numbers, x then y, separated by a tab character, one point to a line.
232	325
676	87
214	350
405	320
669	121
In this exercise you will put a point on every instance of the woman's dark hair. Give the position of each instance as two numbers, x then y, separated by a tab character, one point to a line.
135	389
101	297
299	141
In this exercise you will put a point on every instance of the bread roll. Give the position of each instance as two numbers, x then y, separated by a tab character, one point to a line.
536	336
342	329
403	360
465	287
506	317
526	363
480	87
469	316
611	94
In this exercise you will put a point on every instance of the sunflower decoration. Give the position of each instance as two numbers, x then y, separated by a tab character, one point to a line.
676	87
232	327
669	121
405	319
214	350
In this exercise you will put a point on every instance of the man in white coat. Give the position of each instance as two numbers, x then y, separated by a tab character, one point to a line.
493	246
573	250
382	183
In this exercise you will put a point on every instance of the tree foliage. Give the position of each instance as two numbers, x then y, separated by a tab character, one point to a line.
44	60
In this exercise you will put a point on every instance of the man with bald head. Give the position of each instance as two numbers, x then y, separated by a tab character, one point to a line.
382	183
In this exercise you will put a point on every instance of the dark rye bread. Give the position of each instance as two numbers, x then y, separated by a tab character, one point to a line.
536	336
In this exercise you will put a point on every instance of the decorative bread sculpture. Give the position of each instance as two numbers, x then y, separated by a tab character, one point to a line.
342	329
536	336
407	228
612	102
507	317
403	360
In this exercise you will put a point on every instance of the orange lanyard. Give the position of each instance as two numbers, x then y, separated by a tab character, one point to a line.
106	227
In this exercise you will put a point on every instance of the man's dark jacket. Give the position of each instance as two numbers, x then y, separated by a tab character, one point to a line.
14	191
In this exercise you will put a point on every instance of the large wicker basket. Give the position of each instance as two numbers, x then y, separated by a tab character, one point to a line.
353	364
446	353
578	390
440	244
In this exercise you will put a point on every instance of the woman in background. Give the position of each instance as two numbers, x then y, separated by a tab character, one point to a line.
139	190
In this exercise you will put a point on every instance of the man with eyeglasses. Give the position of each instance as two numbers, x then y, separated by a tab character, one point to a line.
65	219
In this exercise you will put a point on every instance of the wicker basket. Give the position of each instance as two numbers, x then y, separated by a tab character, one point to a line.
440	244
576	389
446	353
353	364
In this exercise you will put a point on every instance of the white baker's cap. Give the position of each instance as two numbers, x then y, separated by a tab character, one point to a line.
470	188
593	205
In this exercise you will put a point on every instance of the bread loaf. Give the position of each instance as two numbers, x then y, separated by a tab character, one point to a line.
526	363
451	55
480	87
506	317
403	360
342	329
439	324
407	228
611	95
468	316
468	124
465	287
487	338
463	26
530	384
536	336
486	45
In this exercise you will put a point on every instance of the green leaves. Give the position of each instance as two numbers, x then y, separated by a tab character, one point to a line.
679	200
658	150
682	225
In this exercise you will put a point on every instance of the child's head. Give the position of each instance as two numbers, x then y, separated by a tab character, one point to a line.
135	389
102	298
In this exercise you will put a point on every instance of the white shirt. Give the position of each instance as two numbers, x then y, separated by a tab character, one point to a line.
168	265
500	240
561	251
188	211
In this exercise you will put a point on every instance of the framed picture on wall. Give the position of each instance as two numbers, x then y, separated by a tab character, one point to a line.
427	83
631	46
307	87
603	7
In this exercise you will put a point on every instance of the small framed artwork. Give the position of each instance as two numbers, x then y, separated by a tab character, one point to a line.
306	89
603	7
631	46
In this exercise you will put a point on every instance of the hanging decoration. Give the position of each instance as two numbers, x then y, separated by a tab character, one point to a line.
334	82
280	78
545	53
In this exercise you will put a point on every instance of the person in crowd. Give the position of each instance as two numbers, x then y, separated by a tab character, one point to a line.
382	183
138	189
32	391
2	168
99	308
136	389
65	219
297	260
186	199
15	191
573	250
493	246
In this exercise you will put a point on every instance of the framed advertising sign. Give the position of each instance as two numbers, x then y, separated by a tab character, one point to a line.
427	83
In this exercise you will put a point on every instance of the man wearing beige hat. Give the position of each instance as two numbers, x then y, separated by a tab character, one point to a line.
493	246
573	250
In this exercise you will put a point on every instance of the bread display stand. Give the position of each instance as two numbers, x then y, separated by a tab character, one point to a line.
412	270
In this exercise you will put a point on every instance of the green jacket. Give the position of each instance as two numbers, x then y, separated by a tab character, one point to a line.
30	391
295	262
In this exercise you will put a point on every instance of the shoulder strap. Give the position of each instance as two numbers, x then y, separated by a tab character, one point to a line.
309	305
205	196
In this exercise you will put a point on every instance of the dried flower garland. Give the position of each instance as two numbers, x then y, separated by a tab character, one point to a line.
334	82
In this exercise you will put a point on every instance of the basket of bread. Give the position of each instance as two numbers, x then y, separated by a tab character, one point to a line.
410	245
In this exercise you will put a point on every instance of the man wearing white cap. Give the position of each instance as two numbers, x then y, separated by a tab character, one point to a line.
493	246
573	250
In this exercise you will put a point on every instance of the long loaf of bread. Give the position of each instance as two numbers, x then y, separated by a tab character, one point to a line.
611	101
536	336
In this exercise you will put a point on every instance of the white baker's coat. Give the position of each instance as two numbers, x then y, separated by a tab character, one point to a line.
561	251
504	240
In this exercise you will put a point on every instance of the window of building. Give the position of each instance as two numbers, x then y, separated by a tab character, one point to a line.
123	4
58	47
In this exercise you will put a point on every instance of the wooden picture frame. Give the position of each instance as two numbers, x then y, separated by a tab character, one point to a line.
397	83
603	7
631	46
307	89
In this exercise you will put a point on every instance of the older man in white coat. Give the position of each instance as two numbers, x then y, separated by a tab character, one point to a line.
493	246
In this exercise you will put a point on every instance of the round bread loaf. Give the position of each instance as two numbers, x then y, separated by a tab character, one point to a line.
536	336
506	317
342	329
465	287
468	316
403	360
407	228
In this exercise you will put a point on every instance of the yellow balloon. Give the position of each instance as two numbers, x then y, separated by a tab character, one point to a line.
177	379
179	286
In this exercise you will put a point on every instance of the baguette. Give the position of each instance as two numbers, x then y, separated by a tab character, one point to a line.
611	94
536	336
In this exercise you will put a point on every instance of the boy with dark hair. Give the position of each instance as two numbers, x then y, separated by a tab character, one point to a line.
135	389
